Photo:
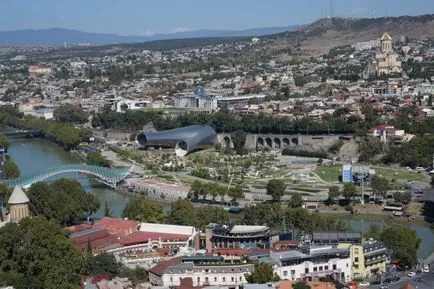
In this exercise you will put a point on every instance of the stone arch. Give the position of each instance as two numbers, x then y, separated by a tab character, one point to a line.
269	142
260	141
294	141
227	140
277	143
285	142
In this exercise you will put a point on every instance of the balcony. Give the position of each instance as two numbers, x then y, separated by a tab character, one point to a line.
378	251
372	261
320	273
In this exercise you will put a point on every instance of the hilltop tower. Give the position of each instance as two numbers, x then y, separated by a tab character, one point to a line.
18	205
387	60
386	42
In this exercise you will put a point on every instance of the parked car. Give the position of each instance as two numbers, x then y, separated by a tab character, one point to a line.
384	286
411	274
364	284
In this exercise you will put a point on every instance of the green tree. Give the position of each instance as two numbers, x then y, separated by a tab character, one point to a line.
4	142
11	170
276	189
334	192
301	285
375	232
404	197
144	211
37	253
296	200
45	200
96	159
236	193
105	263
239	141
380	186
262	273
403	242
69	113
349	192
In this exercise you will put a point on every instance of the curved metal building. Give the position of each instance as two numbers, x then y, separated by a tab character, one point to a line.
184	139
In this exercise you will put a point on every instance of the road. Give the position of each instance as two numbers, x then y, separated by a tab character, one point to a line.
427	284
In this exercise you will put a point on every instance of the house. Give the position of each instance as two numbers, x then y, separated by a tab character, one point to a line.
117	226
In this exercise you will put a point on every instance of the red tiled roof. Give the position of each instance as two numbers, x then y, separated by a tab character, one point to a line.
143	237
117	226
99	278
159	269
97	239
79	228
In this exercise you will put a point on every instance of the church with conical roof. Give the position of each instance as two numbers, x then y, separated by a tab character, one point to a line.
387	59
18	205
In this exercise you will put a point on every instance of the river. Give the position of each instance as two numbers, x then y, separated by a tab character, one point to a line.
33	154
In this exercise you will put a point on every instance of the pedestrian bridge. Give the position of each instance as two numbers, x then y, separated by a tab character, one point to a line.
105	175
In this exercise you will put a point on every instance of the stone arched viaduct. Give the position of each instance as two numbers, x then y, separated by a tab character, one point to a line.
281	141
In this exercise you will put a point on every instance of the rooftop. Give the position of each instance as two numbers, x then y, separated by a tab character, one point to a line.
18	197
167	229
144	237
116	226
239	229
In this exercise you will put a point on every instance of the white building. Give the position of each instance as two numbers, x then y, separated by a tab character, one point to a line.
311	263
203	270
126	104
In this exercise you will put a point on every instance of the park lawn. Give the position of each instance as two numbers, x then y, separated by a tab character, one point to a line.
329	174
398	174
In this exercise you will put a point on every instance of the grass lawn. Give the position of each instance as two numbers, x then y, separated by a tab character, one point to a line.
329	174
399	174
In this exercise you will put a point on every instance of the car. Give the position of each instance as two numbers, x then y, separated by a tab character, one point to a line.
411	274
384	286
425	270
366	284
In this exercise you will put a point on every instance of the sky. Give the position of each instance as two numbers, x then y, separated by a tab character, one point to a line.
148	17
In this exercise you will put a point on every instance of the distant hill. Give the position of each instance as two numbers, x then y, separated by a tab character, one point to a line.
57	36
322	35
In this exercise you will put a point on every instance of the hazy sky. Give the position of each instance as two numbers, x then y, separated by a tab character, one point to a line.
165	16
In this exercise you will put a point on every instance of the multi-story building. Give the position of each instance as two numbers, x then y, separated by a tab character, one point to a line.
203	270
367	258
310	263
239	236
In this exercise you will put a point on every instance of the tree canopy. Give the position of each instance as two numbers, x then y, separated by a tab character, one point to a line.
70	113
144	210
403	242
96	159
11	170
64	200
262	273
276	189
36	253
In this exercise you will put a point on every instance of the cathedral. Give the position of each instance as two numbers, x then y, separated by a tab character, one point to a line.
387	60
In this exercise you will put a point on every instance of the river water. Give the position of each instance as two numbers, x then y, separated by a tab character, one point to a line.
33	155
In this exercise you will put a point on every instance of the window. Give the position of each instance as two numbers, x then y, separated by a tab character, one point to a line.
356	250
224	279
232	279
356	259
347	265
356	266
326	267
198	280
292	272
306	270
171	280
215	279
241	278
315	269
320	268
334	266
285	273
